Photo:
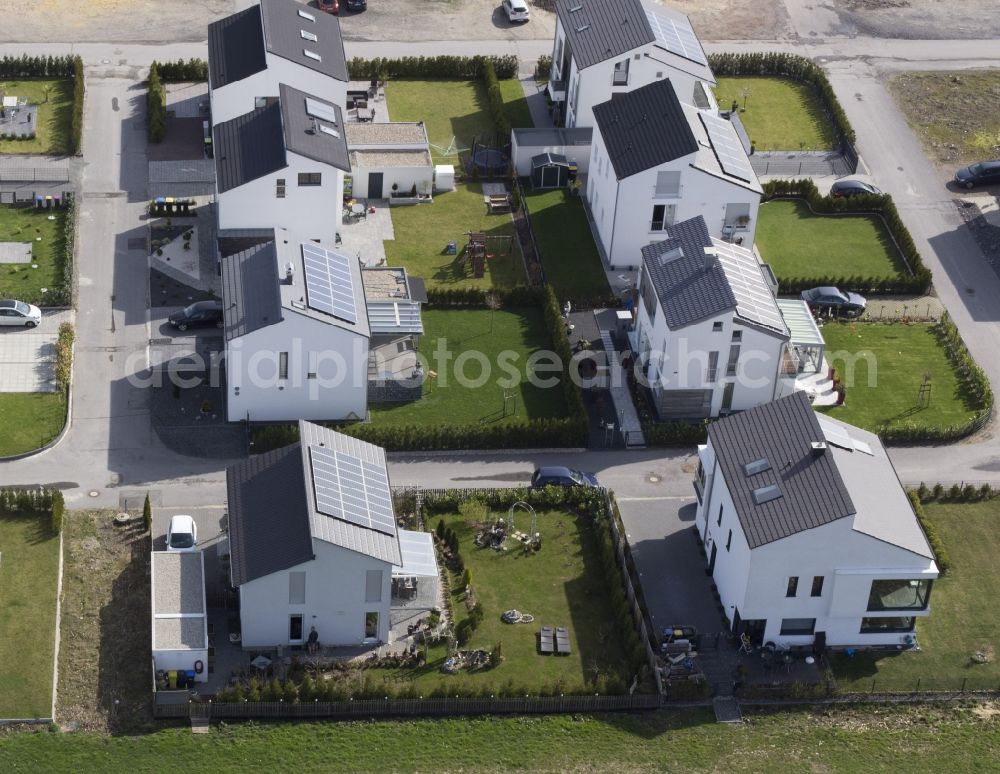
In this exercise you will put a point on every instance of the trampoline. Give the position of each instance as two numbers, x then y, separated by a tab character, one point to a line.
489	160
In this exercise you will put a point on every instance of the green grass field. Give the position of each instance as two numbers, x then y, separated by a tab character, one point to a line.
572	265
423	231
515	104
447	402
29	420
26	224
917	739
962	620
799	244
781	114
54	98
887	394
29	571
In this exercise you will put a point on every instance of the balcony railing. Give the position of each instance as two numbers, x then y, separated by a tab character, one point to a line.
711	374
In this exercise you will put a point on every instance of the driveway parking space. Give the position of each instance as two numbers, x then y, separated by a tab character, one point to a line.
209	519
671	566
28	356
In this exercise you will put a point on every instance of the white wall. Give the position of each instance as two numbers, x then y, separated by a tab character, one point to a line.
521	156
183	660
312	212
335	600
235	99
405	177
297	397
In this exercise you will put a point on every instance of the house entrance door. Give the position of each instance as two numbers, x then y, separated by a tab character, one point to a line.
371	626
295	629
374	185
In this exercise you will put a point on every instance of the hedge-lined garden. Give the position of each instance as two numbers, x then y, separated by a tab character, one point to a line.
66	125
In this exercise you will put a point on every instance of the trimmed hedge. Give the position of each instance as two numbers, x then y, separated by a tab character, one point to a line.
64	356
674	433
937	544
920	280
28	502
76	120
543	67
156	106
467	68
495	99
181	71
24	66
798	68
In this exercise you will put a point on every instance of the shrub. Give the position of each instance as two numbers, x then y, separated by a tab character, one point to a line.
440	530
64	357
76	120
156	106
58	510
290	692
938	492
182	71
543	67
463	632
463	67
937	545
923	493
147	514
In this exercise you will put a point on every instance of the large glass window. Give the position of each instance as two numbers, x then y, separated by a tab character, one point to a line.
792	626
887	625
899	594
793	586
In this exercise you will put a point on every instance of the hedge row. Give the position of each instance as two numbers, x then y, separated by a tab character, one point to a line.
24	66
76	120
920	278
34	502
64	356
468	68
495	99
183	71
156	106
956	493
937	544
674	433
798	68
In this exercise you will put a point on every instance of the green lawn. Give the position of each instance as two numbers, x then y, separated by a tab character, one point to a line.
963	618
29	420
422	233
26	224
447	402
28	578
799	244
54	115
885	384
918	739
572	265
516	104
781	114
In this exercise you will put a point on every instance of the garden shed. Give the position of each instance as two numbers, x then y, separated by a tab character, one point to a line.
549	170
180	623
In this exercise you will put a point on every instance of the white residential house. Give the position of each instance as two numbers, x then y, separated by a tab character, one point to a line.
296	329
389	160
707	328
314	540
605	48
282	166
254	50
655	161
808	533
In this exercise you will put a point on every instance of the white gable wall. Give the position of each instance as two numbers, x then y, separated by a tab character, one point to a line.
310	344
334	600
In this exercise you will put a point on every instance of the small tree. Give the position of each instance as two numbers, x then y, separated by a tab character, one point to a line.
147	514
440	530
58	509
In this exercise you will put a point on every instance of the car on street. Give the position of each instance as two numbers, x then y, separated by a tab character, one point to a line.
197	314
19	313
981	173
516	10
329	6
182	534
356	5
558	476
846	188
831	299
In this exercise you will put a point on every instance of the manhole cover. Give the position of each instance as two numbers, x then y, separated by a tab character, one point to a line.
93	493
653	478
137	243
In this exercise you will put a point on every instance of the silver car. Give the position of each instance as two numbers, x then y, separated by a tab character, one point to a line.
19	313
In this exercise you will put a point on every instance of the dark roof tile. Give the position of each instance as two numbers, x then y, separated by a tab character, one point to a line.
236	47
598	30
249	147
251	297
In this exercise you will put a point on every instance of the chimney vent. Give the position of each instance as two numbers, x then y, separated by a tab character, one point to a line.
818	448
711	258
289	273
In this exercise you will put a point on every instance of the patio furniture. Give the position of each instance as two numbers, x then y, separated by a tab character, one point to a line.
366	119
498	203
546	640
562	641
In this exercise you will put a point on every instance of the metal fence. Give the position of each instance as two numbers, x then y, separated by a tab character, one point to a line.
34	174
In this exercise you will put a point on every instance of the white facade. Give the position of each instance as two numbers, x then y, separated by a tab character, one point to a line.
392	171
754	585
268	604
239	97
521	154
635	211
337	357
310	211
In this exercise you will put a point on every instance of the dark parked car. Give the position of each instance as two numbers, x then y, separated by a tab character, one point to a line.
561	477
983	173
847	304
356	5
199	313
854	188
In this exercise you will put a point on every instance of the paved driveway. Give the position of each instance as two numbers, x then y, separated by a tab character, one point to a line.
28	357
670	564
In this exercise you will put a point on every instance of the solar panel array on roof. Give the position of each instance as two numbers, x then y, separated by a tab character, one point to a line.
352	489
835	434
329	285
727	146
321	110
677	36
754	300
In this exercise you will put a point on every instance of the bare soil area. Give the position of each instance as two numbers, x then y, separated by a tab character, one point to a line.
921	19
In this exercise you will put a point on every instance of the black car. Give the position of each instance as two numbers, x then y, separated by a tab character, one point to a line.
831	299
199	313
983	173
556	476
356	5
845	188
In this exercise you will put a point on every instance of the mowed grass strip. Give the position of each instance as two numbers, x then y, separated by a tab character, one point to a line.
800	244
962	622
460	332
781	114
29	420
29	568
888	365
572	264
52	118
48	251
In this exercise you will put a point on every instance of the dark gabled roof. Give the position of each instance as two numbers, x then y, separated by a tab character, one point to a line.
251	297
248	147
283	36
598	30
687	290
303	133
812	490
644	128
269	525
235	47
